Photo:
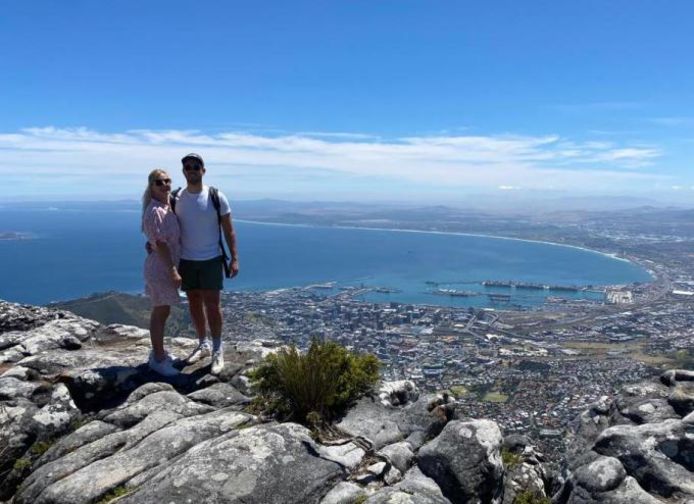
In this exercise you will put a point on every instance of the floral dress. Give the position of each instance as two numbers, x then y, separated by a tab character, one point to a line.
160	224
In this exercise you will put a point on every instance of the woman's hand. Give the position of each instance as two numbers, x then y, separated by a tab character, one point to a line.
176	277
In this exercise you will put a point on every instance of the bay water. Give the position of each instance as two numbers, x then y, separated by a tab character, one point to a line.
70	253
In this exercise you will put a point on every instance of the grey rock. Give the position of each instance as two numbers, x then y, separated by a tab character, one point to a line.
220	395
11	388
374	421
55	417
601	475
348	455
398	393
392	476
21	373
516	443
417	439
62	333
22	318
672	376
465	461
415	488
344	492
628	492
648	388
528	475
171	401
271	464
659	456
242	383
400	455
385	425
682	398
92	470
147	389
86	434
645	410
10	339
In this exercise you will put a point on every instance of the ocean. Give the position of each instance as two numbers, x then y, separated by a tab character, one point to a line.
76	252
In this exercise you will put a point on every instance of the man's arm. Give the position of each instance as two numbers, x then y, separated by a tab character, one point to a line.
230	237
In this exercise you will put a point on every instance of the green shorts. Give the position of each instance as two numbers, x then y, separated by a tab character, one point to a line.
207	274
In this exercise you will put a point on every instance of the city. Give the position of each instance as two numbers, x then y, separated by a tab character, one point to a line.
531	370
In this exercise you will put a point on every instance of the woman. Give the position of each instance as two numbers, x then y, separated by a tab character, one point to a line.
162	280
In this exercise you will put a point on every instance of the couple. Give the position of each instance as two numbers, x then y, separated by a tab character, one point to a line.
184	240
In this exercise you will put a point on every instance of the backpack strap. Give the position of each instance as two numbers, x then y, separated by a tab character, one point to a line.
174	197
214	196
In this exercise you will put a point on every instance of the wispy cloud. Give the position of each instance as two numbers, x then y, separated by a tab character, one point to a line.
673	121
601	106
274	163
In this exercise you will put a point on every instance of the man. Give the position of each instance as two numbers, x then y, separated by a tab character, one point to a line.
202	258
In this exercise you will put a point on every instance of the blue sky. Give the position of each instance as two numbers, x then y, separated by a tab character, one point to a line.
350	99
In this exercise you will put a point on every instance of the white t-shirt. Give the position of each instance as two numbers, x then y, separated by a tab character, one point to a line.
199	226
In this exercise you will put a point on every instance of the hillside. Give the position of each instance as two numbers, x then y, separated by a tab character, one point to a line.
128	309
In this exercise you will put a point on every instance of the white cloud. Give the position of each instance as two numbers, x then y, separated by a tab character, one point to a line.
673	121
72	157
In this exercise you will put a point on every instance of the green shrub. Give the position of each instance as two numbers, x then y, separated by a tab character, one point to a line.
22	463
529	497
510	459
40	447
321	382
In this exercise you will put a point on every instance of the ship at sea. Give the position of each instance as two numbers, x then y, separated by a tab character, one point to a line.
499	297
509	284
455	293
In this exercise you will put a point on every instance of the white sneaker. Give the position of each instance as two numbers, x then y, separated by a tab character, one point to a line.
217	363
200	352
165	367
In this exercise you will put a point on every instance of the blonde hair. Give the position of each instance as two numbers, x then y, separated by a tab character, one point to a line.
147	195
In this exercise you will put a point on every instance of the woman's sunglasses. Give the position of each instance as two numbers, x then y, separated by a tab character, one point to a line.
161	182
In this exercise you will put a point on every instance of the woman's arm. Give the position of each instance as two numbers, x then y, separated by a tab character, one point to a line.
162	249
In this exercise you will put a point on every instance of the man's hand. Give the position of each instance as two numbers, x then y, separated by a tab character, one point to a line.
234	268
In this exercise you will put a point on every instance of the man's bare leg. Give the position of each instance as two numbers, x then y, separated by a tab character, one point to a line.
213	309
196	304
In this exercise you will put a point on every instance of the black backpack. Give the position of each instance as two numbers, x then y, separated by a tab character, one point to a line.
214	195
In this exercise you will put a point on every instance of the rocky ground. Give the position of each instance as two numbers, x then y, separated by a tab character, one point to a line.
82	420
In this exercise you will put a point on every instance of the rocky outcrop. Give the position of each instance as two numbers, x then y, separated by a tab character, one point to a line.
637	448
83	420
465	461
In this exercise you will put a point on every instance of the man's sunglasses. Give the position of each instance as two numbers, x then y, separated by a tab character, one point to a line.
161	182
192	167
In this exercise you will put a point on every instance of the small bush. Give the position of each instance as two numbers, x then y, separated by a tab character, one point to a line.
318	384
529	497
510	459
21	463
40	447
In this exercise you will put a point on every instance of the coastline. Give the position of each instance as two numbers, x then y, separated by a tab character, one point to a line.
456	233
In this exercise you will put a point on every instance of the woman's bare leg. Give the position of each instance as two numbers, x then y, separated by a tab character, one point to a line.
157	322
